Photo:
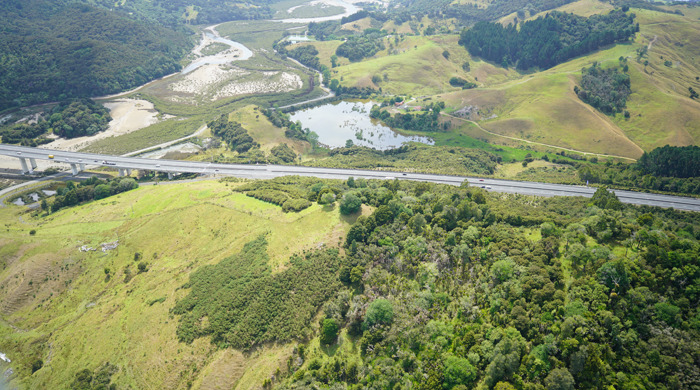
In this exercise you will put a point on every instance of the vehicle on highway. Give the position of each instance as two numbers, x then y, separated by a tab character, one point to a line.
51	156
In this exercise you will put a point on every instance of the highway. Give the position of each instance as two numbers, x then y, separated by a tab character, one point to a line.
271	171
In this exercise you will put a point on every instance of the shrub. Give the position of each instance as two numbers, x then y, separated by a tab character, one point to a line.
458	371
329	331
36	365
379	312
295	205
350	204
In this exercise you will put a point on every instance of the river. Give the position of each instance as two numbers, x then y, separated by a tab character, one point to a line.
237	51
240	52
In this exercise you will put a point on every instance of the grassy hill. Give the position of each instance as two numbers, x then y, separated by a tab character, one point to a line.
414	65
58	305
540	106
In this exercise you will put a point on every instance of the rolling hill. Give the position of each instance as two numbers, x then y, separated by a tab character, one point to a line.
78	317
540	106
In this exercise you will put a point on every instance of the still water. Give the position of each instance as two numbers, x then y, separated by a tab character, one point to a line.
335	123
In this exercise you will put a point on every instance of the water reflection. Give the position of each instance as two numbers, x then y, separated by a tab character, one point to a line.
338	122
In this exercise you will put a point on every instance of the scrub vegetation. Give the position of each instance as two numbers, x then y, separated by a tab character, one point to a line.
304	283
436	286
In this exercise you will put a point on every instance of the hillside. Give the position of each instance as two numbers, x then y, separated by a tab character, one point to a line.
540	107
78	317
50	52
433	286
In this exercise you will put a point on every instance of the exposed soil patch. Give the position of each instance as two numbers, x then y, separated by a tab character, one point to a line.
220	81
36	279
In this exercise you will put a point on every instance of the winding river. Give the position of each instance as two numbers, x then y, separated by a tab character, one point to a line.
239	52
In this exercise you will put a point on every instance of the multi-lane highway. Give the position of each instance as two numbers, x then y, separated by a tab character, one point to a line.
270	171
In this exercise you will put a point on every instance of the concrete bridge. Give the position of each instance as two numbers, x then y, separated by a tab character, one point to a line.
78	161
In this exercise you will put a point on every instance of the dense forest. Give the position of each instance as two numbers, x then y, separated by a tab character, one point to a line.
281	120
427	121
669	169
235	136
547	41
323	31
51	52
173	13
246	304
68	119
674	161
453	288
355	48
94	188
468	12
307	55
605	89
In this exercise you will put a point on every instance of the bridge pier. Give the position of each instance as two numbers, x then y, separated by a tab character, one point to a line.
82	167
128	171
122	172
74	169
170	176
25	168
32	163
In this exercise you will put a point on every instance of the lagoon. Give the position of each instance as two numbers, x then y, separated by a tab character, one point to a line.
335	123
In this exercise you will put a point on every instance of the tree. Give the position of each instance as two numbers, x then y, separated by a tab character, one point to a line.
548	229
102	191
127	185
83	380
329	331
36	365
693	95
350	204
143	267
379	312
667	312
327	198
613	274
312	138
502	270
478	197
284	153
606	199
559	379
458	371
